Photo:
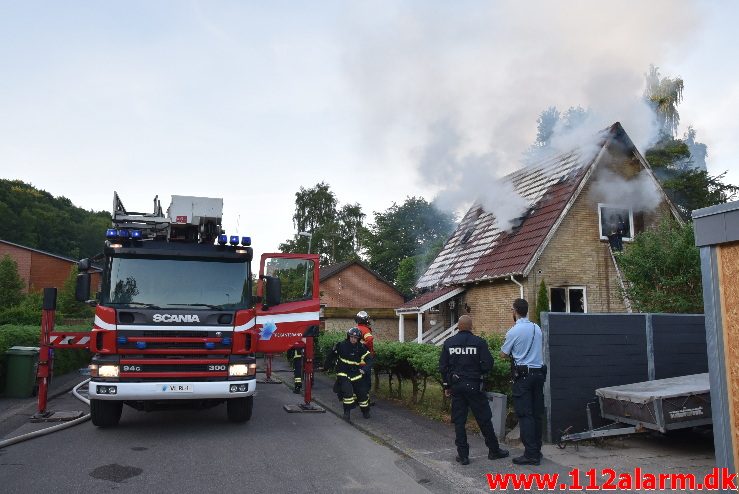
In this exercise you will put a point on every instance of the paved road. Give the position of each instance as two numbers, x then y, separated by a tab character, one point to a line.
200	451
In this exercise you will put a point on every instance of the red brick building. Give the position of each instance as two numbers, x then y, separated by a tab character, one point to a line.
351	286
39	269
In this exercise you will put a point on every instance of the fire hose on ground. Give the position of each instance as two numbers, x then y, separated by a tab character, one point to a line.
58	427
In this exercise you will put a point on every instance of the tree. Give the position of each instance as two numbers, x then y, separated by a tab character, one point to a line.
414	228
36	219
664	94
335	232
662	267
11	284
542	302
67	303
688	187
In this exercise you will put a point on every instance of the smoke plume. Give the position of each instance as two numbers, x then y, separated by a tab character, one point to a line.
459	87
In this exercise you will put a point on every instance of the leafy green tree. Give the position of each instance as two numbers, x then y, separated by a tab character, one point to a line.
413	228
662	267
34	218
542	302
11	284
67	304
688	187
664	94
407	275
335	231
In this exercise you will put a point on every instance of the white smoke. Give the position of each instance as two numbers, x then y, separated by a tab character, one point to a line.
639	192
458	87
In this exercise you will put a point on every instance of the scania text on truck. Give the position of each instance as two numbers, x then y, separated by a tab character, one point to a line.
177	322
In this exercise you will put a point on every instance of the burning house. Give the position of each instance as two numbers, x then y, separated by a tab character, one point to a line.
581	208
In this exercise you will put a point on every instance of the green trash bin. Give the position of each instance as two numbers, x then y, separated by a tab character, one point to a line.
21	376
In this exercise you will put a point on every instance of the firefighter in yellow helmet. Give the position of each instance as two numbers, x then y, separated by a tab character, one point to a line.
353	361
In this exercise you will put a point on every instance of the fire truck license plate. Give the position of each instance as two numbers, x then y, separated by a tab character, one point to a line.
177	388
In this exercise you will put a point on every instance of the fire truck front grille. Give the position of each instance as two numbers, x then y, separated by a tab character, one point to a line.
173	342
146	368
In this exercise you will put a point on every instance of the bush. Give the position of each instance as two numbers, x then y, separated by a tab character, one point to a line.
27	313
11	284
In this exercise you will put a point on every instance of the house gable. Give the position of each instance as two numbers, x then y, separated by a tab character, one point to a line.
357	286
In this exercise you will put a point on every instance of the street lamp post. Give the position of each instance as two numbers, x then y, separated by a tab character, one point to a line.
310	239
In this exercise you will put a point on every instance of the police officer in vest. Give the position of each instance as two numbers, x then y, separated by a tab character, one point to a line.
523	344
465	360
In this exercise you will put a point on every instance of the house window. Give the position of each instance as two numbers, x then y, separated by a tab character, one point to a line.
611	218
567	299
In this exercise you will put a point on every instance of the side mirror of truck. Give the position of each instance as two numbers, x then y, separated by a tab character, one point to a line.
273	290
82	288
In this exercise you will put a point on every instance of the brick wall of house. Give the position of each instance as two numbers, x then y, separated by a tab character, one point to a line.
40	271
576	256
47	271
490	304
357	287
22	258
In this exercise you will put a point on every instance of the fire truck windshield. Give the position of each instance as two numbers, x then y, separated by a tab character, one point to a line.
177	283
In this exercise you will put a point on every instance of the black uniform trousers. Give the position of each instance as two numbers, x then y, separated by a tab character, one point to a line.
467	396
528	401
298	369
352	392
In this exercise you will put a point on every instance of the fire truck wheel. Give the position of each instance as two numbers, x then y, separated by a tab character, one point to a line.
105	413
239	409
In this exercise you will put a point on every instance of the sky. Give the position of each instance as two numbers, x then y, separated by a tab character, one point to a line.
251	100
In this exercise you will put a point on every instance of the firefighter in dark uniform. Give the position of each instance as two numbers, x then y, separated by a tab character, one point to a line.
523	344
465	360
352	360
295	356
363	324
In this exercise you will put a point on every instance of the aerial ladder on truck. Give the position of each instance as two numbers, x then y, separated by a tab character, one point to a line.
177	321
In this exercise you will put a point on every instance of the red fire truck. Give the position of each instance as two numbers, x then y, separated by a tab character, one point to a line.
177	322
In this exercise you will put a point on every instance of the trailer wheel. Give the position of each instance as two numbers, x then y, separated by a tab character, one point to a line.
105	413
239	409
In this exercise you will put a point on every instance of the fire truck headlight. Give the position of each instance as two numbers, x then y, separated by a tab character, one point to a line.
108	371
252	370
238	370
93	370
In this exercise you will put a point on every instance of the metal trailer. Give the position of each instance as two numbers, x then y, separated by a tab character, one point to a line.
660	405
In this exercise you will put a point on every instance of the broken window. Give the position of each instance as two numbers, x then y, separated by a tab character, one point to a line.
567	299
615	221
467	235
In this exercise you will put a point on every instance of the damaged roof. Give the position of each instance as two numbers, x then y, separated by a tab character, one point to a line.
480	250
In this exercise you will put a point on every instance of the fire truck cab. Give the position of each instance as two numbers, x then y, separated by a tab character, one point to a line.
178	320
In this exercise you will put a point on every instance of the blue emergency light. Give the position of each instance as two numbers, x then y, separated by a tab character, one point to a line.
222	239
123	233
111	233
140	345
210	345
234	240
122	340
226	341
246	241
136	234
